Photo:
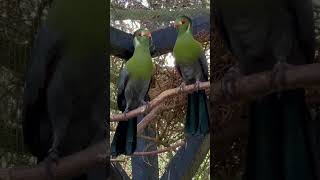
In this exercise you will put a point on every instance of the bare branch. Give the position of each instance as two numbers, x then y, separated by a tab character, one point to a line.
147	119
158	100
246	87
67	167
259	84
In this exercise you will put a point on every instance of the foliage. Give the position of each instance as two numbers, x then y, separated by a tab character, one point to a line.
16	33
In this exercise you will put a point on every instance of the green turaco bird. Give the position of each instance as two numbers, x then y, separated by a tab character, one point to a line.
64	94
263	34
133	87
192	65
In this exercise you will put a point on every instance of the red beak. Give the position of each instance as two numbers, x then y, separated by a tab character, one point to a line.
149	34
177	25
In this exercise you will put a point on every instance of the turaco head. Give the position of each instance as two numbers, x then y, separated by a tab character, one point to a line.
142	37
182	24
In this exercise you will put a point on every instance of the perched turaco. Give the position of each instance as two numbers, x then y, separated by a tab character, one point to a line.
133	87
268	35
192	65
65	84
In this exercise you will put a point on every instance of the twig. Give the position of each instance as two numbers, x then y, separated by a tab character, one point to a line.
147	119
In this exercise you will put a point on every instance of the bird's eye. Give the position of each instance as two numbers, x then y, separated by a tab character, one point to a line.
183	21
140	34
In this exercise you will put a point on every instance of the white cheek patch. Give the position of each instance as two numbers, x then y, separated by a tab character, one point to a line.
136	42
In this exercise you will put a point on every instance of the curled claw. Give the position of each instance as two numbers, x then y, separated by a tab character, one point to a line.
125	112
227	83
52	158
278	75
147	106
197	85
182	86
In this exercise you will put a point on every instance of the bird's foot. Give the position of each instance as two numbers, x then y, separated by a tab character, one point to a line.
197	85
147	107
278	76
228	81
182	86
52	158
125	112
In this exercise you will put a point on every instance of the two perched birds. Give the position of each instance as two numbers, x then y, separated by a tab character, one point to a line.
263	35
135	77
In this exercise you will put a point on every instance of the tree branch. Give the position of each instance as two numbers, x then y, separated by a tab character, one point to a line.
147	119
246	87
67	167
157	101
187	160
259	84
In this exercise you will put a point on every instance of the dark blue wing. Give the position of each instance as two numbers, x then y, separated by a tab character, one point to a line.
41	65
204	66
122	83
303	13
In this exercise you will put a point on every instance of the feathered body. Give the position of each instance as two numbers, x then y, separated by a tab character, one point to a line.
192	65
133	87
64	95
261	33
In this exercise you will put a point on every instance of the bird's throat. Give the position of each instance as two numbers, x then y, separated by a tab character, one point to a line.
186	50
182	31
142	52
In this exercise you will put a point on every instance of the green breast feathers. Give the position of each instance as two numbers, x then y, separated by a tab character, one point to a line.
187	50
140	66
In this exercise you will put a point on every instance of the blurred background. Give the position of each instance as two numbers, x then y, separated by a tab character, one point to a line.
19	22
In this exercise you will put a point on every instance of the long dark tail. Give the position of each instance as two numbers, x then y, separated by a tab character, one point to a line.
125	138
278	144
297	149
197	120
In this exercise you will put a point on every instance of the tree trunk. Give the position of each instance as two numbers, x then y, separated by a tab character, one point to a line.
185	163
145	167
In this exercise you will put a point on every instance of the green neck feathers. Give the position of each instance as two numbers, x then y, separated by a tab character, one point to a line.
140	64
187	50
